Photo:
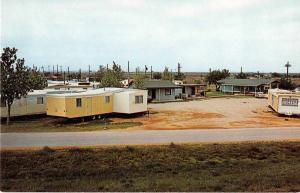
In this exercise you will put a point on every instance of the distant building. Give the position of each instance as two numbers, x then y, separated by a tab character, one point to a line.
247	85
193	90
161	90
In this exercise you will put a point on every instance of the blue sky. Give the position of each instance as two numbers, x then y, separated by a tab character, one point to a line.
260	35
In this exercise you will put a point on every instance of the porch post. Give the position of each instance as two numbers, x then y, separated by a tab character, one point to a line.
159	94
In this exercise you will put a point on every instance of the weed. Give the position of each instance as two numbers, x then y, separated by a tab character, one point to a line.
47	150
172	145
129	148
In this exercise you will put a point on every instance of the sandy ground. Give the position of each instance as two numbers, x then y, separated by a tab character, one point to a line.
213	113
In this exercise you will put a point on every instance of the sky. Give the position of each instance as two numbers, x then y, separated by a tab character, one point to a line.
259	35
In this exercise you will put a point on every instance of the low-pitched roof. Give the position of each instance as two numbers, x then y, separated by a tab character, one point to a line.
246	82
160	84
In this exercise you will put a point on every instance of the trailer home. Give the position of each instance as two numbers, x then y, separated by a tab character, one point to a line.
130	101
284	102
80	103
96	102
33	103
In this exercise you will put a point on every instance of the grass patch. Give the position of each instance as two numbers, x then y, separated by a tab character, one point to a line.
263	166
49	124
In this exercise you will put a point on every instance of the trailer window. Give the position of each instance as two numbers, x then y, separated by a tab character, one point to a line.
138	99
107	99
40	100
78	102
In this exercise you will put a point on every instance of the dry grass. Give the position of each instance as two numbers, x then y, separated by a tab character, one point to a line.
264	166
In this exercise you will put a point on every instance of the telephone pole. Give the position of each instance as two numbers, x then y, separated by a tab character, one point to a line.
79	77
68	73
128	77
64	77
287	65
178	69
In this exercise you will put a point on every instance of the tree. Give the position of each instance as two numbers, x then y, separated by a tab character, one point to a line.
286	84
167	75
179	76
139	81
117	70
110	80
100	73
15	78
241	75
214	76
37	80
275	75
157	75
113	76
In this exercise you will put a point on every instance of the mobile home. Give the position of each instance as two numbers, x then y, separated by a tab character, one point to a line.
130	101
284	102
80	103
33	103
96	102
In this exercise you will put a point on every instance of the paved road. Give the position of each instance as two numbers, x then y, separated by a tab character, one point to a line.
15	140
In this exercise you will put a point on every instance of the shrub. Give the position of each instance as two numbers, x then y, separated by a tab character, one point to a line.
47	150
129	148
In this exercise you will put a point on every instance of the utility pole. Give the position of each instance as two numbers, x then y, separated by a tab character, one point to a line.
68	73
241	69
89	72
64	77
53	70
128	77
79	77
178	69
151	73
57	70
49	69
287	65
146	68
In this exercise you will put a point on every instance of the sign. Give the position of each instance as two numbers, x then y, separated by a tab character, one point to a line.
289	102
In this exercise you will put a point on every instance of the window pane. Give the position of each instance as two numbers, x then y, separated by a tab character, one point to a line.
40	100
107	99
78	102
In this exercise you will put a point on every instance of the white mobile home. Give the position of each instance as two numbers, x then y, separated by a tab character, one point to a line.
33	103
284	102
130	101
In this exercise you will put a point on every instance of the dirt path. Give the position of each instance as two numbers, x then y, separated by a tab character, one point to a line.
213	113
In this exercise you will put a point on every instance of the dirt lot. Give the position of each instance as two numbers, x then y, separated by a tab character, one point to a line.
214	113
